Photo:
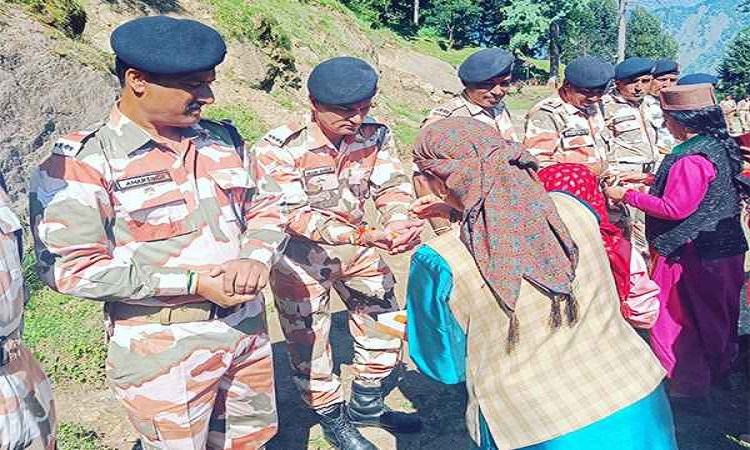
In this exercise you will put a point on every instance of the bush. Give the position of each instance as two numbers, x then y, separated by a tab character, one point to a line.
72	436
250	126
66	15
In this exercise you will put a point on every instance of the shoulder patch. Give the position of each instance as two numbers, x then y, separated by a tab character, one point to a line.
72	143
551	105
283	134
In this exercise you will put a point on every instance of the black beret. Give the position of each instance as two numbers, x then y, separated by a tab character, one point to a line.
589	72
167	46
634	68
697	78
342	81
485	64
665	66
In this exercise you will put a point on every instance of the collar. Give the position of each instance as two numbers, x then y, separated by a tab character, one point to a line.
317	139
573	110
620	99
132	137
476	110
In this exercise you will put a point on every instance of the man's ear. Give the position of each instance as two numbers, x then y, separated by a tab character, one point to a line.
136	81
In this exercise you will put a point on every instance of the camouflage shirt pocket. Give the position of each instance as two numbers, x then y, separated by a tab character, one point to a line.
322	186
235	188
627	128
152	207
576	137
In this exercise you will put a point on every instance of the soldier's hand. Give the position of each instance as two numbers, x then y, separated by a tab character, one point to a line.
405	235
378	239
242	276
212	289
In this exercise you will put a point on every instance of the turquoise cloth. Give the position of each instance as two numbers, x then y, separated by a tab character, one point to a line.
437	344
646	424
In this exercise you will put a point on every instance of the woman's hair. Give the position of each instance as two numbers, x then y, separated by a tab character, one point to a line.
710	121
2	183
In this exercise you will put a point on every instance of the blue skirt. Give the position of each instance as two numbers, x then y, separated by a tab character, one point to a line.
646	424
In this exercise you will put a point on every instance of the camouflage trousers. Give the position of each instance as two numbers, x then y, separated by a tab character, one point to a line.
27	410
302	282
197	385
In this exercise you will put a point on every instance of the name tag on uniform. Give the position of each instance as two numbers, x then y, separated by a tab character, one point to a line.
320	179
575	132
143	180
617	120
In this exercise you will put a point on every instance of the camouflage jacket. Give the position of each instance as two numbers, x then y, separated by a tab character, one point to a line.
325	188
557	131
460	106
630	139
654	118
12	292
118	216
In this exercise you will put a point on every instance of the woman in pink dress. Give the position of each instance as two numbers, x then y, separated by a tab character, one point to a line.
697	244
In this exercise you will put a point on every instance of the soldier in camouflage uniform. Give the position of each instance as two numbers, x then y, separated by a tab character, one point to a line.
164	218
743	114
665	73
486	76
632	142
328	165
567	127
729	108
27	410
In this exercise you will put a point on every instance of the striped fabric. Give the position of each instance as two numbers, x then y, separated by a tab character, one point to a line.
555	381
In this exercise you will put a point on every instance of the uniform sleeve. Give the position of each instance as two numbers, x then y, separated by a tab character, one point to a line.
541	137
12	292
72	215
687	184
437	343
264	239
301	219
390	187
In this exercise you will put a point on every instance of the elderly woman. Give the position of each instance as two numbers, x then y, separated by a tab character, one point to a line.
693	229
27	414
522	306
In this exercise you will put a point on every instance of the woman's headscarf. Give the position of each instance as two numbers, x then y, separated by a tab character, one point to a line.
579	181
509	224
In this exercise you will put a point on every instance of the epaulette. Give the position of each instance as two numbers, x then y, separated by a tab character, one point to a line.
283	134
551	105
72	143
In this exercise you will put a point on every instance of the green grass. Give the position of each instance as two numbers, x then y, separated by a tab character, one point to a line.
67	336
432	47
527	97
67	16
72	436
246	120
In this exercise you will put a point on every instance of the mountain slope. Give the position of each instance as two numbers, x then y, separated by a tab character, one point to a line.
702	28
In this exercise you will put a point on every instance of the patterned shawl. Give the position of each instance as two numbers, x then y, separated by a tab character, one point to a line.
509	223
579	181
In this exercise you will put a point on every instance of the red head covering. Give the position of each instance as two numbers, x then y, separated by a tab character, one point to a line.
579	181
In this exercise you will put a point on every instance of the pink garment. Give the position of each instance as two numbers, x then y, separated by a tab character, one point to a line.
695	336
641	307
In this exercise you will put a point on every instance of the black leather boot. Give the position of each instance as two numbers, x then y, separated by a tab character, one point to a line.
367	409
339	431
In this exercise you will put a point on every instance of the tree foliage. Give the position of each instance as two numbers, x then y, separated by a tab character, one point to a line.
594	32
734	69
456	20
646	37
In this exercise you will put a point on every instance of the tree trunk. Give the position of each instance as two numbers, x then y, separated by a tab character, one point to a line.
622	31
416	12
554	50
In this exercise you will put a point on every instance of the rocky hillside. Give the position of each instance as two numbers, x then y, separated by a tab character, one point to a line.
703	28
51	84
